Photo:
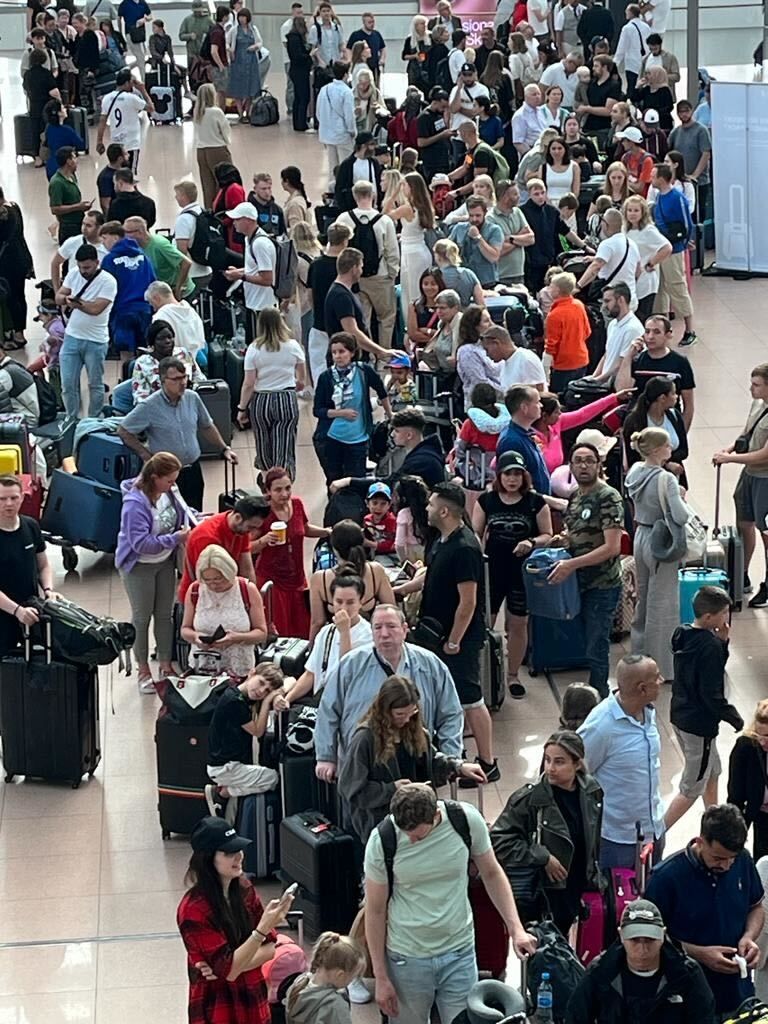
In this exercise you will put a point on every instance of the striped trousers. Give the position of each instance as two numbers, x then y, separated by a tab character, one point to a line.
275	421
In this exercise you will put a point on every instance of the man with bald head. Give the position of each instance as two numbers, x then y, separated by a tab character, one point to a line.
623	750
171	265
617	258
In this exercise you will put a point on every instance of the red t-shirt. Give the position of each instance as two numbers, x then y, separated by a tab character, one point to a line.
214	530
284	563
219	40
640	168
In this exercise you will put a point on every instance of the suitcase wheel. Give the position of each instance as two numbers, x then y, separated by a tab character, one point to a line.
69	558
9	778
166	835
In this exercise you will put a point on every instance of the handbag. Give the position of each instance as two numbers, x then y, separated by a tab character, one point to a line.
742	442
191	699
428	634
137	33
671	542
526	880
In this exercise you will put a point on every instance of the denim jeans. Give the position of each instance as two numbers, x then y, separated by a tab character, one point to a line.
122	397
597	611
75	354
624	855
560	379
421	981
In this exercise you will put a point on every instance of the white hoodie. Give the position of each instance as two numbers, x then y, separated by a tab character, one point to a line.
187	325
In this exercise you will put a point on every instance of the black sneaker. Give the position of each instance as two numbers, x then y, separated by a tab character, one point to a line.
516	689
492	774
760	600
747	585
689	338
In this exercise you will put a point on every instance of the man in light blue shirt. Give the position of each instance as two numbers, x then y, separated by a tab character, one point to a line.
623	753
480	242
356	681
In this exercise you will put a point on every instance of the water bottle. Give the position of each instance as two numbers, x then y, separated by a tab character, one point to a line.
239	338
544	1001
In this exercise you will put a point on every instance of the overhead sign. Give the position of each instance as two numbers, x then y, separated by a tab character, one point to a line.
474	14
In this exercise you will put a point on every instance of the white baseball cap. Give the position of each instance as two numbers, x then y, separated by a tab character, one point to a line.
244	210
632	134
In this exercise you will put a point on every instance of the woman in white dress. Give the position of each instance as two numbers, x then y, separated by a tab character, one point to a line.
561	174
654	248
416	216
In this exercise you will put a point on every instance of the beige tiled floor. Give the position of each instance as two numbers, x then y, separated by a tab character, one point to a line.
88	889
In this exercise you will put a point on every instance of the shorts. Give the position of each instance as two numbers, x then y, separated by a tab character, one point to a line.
751	499
129	329
465	672
243	779
508	586
701	762
220	79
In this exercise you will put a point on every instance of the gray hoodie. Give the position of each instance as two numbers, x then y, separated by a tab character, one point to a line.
642	483
319	1004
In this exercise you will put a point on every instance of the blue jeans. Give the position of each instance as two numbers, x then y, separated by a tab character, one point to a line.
122	397
560	379
597	611
421	981
623	855
75	354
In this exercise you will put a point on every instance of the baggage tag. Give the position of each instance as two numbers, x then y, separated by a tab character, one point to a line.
322	827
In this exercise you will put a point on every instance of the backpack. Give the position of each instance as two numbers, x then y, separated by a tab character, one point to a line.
205	46
501	170
47	399
364	239
82	638
264	110
443	75
553	954
208	245
388	837
286	267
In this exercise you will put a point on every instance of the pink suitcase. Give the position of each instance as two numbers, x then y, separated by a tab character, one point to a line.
590	934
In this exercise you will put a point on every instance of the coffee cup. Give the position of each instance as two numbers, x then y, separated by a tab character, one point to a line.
279	531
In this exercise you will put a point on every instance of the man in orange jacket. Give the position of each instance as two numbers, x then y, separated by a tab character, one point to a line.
566	329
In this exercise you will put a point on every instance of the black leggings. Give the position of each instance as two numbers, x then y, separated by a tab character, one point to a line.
760	836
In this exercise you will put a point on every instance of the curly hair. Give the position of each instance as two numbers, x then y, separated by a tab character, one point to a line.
395	692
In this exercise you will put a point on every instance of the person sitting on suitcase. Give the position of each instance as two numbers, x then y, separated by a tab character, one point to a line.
418	918
242	713
552	827
643	975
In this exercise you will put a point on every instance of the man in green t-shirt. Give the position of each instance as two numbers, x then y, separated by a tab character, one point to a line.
594	521
170	265
420	934
517	232
64	196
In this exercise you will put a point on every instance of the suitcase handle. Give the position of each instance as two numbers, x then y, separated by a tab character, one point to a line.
45	620
716	527
266	596
229	466
454	791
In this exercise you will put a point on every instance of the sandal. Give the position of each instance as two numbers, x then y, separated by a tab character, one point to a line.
516	688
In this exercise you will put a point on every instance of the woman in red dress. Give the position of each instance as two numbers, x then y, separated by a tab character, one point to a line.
281	560
227	932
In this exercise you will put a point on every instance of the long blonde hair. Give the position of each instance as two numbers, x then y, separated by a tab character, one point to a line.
331	952
426	39
206	97
447	250
617	165
395	692
393	182
304	237
273	330
760	715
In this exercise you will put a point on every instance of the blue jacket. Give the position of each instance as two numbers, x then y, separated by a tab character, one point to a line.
324	399
133	272
518	439
673	208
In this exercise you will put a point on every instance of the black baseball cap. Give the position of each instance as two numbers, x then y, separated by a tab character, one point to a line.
211	834
468	69
509	460
362	139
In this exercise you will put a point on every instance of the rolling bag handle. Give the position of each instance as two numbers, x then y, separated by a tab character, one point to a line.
47	640
266	596
454	791
227	467
716	527
487	585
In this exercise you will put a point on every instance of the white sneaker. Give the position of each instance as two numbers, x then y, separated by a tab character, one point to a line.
146	685
358	993
210	799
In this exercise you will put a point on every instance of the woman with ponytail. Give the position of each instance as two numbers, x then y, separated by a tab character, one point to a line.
297	206
658	604
317	996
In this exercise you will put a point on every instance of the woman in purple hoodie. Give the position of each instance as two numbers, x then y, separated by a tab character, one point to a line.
152	526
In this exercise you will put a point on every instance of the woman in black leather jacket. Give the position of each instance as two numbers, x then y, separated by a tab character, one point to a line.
554	824
748	778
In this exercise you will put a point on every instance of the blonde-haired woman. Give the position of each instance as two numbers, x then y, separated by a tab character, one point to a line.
654	248
748	778
152	526
274	369
367	99
416	216
531	164
483	186
212	136
416	53
393	183
219	597
657	95
616	187
460	279
658	604
304	237
358	59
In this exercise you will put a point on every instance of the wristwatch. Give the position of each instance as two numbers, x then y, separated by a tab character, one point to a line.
451	646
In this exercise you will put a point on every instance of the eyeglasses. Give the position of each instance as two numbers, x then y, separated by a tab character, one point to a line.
173	380
588	461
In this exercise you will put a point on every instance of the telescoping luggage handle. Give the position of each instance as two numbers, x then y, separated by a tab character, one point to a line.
716	527
266	597
230	467
454	791
47	640
643	858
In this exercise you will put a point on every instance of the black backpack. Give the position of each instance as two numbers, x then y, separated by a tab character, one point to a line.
208	245
364	239
388	838
443	75
205	47
47	400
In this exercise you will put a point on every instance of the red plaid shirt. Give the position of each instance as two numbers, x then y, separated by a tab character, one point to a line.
220	1001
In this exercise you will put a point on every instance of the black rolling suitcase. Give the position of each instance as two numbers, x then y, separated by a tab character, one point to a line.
320	857
50	715
182	774
55	440
216	398
180	649
232	493
234	374
493	657
258	819
77	119
26	132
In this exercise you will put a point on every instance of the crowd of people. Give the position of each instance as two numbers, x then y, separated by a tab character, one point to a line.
506	250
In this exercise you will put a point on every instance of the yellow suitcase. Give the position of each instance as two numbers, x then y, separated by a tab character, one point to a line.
10	459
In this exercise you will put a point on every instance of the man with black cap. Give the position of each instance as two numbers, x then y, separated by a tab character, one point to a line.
434	134
361	165
463	104
121	111
643	976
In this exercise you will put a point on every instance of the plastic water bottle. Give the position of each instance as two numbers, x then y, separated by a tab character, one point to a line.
544	1001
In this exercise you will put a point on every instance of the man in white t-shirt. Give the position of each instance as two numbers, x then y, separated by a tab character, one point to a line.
538	18
184	231
518	365
456	58
623	328
463	106
92	222
121	110
563	73
258	274
87	294
617	258
346	631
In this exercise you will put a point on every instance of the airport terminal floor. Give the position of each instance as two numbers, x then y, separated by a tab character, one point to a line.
88	888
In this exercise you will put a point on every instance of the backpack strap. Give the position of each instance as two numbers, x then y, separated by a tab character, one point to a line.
194	593
243	592
458	819
327	647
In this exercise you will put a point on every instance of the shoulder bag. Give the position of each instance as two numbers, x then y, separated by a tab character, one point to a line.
598	286
671	542
742	442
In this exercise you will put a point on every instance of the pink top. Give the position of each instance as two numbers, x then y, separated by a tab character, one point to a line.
552	446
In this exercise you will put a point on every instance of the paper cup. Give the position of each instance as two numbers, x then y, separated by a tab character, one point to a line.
279	531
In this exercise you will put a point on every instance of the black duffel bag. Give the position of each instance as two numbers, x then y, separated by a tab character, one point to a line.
579	393
264	110
80	637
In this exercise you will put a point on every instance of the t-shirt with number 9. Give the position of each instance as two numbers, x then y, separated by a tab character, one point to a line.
122	110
